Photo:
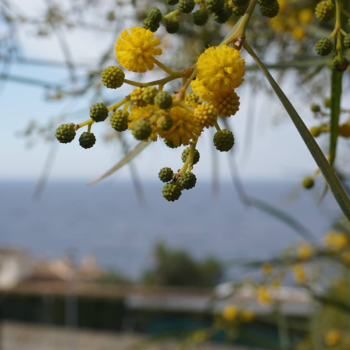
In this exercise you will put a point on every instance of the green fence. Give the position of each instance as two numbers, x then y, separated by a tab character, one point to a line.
82	311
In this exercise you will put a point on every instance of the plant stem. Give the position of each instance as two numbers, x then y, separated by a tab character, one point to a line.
182	92
333	34
240	31
184	106
336	92
119	104
337	28
87	122
327	171
163	66
171	14
189	159
175	75
343	32
126	106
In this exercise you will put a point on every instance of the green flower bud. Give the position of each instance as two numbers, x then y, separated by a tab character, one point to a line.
186	6
150	24
186	152
87	139
113	77
239	10
98	112
340	65
327	102
270	10
324	11
155	14
119	120
148	94
324	47
223	15
165	174
171	192
214	5
223	140
165	122
172	26
315	108
65	133
308	183
163	100
315	131
200	17
187	181
141	130
347	41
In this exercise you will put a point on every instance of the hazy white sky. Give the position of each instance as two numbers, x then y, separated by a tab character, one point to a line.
277	151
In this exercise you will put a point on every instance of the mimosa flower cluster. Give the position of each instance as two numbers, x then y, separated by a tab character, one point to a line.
151	113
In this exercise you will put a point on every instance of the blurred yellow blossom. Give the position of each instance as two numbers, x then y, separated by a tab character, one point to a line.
298	33
336	241
332	337
230	312
305	16
299	273
291	20
304	251
263	295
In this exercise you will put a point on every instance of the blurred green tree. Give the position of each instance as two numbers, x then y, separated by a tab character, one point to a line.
178	268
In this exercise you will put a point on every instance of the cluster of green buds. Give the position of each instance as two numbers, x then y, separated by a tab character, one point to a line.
113	77
339	40
184	179
220	10
324	126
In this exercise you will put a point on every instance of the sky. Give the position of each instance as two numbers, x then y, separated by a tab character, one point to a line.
275	153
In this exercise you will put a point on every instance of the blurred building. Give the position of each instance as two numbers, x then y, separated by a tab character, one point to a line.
15	266
64	269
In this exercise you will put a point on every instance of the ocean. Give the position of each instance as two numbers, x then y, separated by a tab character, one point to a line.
107	221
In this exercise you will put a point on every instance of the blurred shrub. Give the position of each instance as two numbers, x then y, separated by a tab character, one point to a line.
178	268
